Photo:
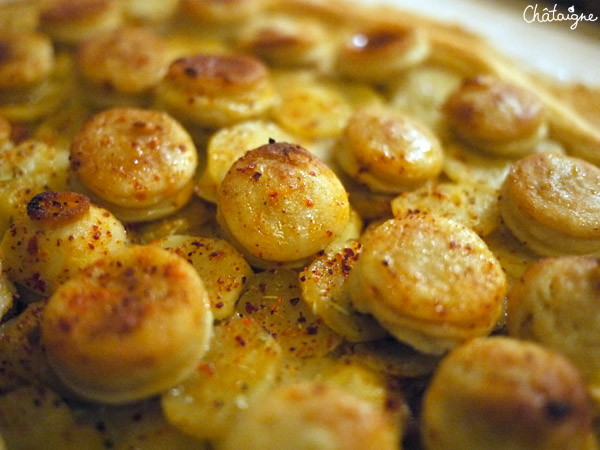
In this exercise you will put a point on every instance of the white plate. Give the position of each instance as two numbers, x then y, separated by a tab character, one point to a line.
551	47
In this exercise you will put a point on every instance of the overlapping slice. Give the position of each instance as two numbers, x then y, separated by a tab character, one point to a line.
430	281
100	328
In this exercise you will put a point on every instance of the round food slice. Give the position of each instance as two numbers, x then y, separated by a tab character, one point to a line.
500	393
135	159
551	202
556	302
431	282
129	326
328	417
325	289
388	151
281	203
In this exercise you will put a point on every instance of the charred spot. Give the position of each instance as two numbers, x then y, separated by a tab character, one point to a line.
312	330
557	410
250	308
56	207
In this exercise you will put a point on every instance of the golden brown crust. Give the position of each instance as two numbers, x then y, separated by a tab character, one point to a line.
70	21
379	52
429	281
488	113
217	73
60	235
549	201
388	151
55	207
25	59
216	90
491	385
128	60
282	203
314	76
330	417
133	157
556	303
100	329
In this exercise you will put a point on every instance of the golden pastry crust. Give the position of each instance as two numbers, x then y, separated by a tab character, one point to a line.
314	107
127	60
388	151
550	202
281	203
431	282
380	52
294	71
496	117
499	393
556	303
25	59
328	416
60	235
287	41
134	158
216	90
100	327
31	166
71	21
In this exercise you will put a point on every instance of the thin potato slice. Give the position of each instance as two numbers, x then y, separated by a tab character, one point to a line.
325	290
222	268
243	362
34	414
273	299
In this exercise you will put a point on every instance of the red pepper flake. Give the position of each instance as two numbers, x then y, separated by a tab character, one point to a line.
219	305
240	340
294	301
256	175
32	246
309	203
312	330
208	369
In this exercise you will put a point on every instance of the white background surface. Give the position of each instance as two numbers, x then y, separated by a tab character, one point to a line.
551	47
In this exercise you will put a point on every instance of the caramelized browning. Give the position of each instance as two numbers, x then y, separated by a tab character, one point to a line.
214	73
57	207
485	111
